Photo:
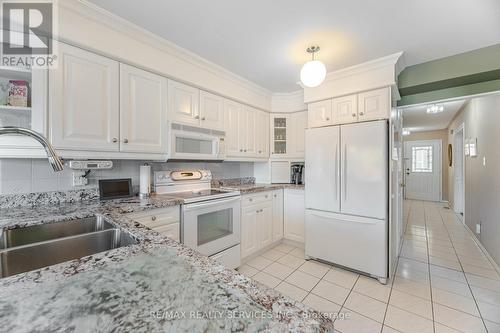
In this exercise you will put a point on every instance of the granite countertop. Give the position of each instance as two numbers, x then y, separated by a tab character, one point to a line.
155	285
255	188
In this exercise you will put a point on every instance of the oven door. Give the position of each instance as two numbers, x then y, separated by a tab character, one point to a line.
212	226
193	146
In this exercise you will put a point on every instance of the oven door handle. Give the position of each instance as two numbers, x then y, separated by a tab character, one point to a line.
211	203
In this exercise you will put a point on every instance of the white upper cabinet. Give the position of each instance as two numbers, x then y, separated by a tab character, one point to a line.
262	134
374	104
183	103
288	135
211	111
232	114
299	125
143	110
84	101
345	109
248	127
320	113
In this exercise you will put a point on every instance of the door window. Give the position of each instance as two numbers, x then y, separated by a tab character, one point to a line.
193	146
214	225
422	159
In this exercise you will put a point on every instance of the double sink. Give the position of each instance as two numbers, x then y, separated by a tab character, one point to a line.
29	248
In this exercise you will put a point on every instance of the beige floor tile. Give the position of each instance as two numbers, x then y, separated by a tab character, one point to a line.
367	306
418	289
315	268
291	291
411	303
298	252
387	329
492	327
331	291
247	270
413	274
285	248
458	320
413	265
447	273
451	286
341	277
322	305
455	301
278	270
451	264
440	328
489	312
483	262
302	280
405	321
484	272
371	287
291	261
356	323
443	255
273	254
266	279
482	282
486	295
259	262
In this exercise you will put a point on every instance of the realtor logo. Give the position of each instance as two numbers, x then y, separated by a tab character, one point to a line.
27	32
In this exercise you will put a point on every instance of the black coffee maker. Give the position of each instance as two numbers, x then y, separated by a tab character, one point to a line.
297	173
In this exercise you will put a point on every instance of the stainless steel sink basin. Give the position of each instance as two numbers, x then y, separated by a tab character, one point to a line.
35	248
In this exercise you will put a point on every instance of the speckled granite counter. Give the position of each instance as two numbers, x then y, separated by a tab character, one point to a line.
254	188
155	285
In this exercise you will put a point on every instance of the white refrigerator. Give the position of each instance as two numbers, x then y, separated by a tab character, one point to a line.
347	196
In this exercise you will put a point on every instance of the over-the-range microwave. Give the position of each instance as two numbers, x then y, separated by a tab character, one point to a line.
195	143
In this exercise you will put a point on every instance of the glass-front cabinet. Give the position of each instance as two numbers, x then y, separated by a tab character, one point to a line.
23	100
280	135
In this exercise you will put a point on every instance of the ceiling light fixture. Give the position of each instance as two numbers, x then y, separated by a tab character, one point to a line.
406	132
435	108
313	72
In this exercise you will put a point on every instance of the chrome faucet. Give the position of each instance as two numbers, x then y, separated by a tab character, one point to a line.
54	160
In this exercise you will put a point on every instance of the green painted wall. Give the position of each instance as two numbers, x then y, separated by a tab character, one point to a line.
463	74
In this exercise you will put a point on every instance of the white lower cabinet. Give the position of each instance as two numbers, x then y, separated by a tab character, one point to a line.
165	221
261	221
294	215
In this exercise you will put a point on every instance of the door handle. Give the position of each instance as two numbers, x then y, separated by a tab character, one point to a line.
344	178
337	174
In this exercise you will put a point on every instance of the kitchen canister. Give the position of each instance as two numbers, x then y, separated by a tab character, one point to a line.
144	180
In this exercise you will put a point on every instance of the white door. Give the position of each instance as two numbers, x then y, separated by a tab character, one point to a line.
323	168
84	101
345	109
373	105
294	215
265	224
277	215
232	114
458	171
364	169
320	113
211	111
249	242
297	139
423	170
143	111
183	103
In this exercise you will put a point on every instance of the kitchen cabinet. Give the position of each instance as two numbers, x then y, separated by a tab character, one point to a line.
374	104
211	111
294	215
265	224
84	101
320	113
277	215
243	136
288	135
232	114
183	103
165	221
345	109
247	126
262	134
143	110
249	243
298	122
280	124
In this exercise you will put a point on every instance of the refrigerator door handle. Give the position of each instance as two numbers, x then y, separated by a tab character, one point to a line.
337	173
344	173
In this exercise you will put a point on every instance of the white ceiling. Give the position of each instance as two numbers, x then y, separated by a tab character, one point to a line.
416	118
265	40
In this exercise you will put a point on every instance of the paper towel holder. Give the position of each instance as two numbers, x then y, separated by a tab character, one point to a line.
142	193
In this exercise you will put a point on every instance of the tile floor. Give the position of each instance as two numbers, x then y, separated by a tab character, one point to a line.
443	281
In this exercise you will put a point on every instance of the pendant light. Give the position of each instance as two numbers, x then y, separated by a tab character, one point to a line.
313	72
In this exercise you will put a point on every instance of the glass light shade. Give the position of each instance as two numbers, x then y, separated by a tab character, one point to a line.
313	73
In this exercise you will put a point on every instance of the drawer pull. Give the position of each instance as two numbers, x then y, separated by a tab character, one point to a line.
153	218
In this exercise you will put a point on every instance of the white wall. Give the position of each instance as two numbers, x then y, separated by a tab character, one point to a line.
36	175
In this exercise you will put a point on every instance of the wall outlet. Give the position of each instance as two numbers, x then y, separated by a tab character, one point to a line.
78	179
478	228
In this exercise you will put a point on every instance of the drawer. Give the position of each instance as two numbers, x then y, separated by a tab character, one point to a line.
172	231
157	217
252	199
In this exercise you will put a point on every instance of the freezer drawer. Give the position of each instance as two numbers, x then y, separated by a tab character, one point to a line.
354	242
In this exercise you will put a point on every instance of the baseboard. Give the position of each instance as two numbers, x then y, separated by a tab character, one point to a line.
293	243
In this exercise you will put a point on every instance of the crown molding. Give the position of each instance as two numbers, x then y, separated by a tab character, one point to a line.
249	92
288	102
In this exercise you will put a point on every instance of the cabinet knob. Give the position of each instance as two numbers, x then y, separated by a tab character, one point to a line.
196	117
327	118
267	196
203	118
125	140
241	150
354	115
361	113
115	140
153	218
275	195
260	151
245	150
250	199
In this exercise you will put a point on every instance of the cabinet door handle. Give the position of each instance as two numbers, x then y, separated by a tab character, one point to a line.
361	113
125	140
115	140
153	218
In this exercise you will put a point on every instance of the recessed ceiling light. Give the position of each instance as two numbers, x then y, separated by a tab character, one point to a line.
406	132
435	108
313	72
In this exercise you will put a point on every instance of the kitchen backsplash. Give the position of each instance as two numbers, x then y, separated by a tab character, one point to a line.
36	175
